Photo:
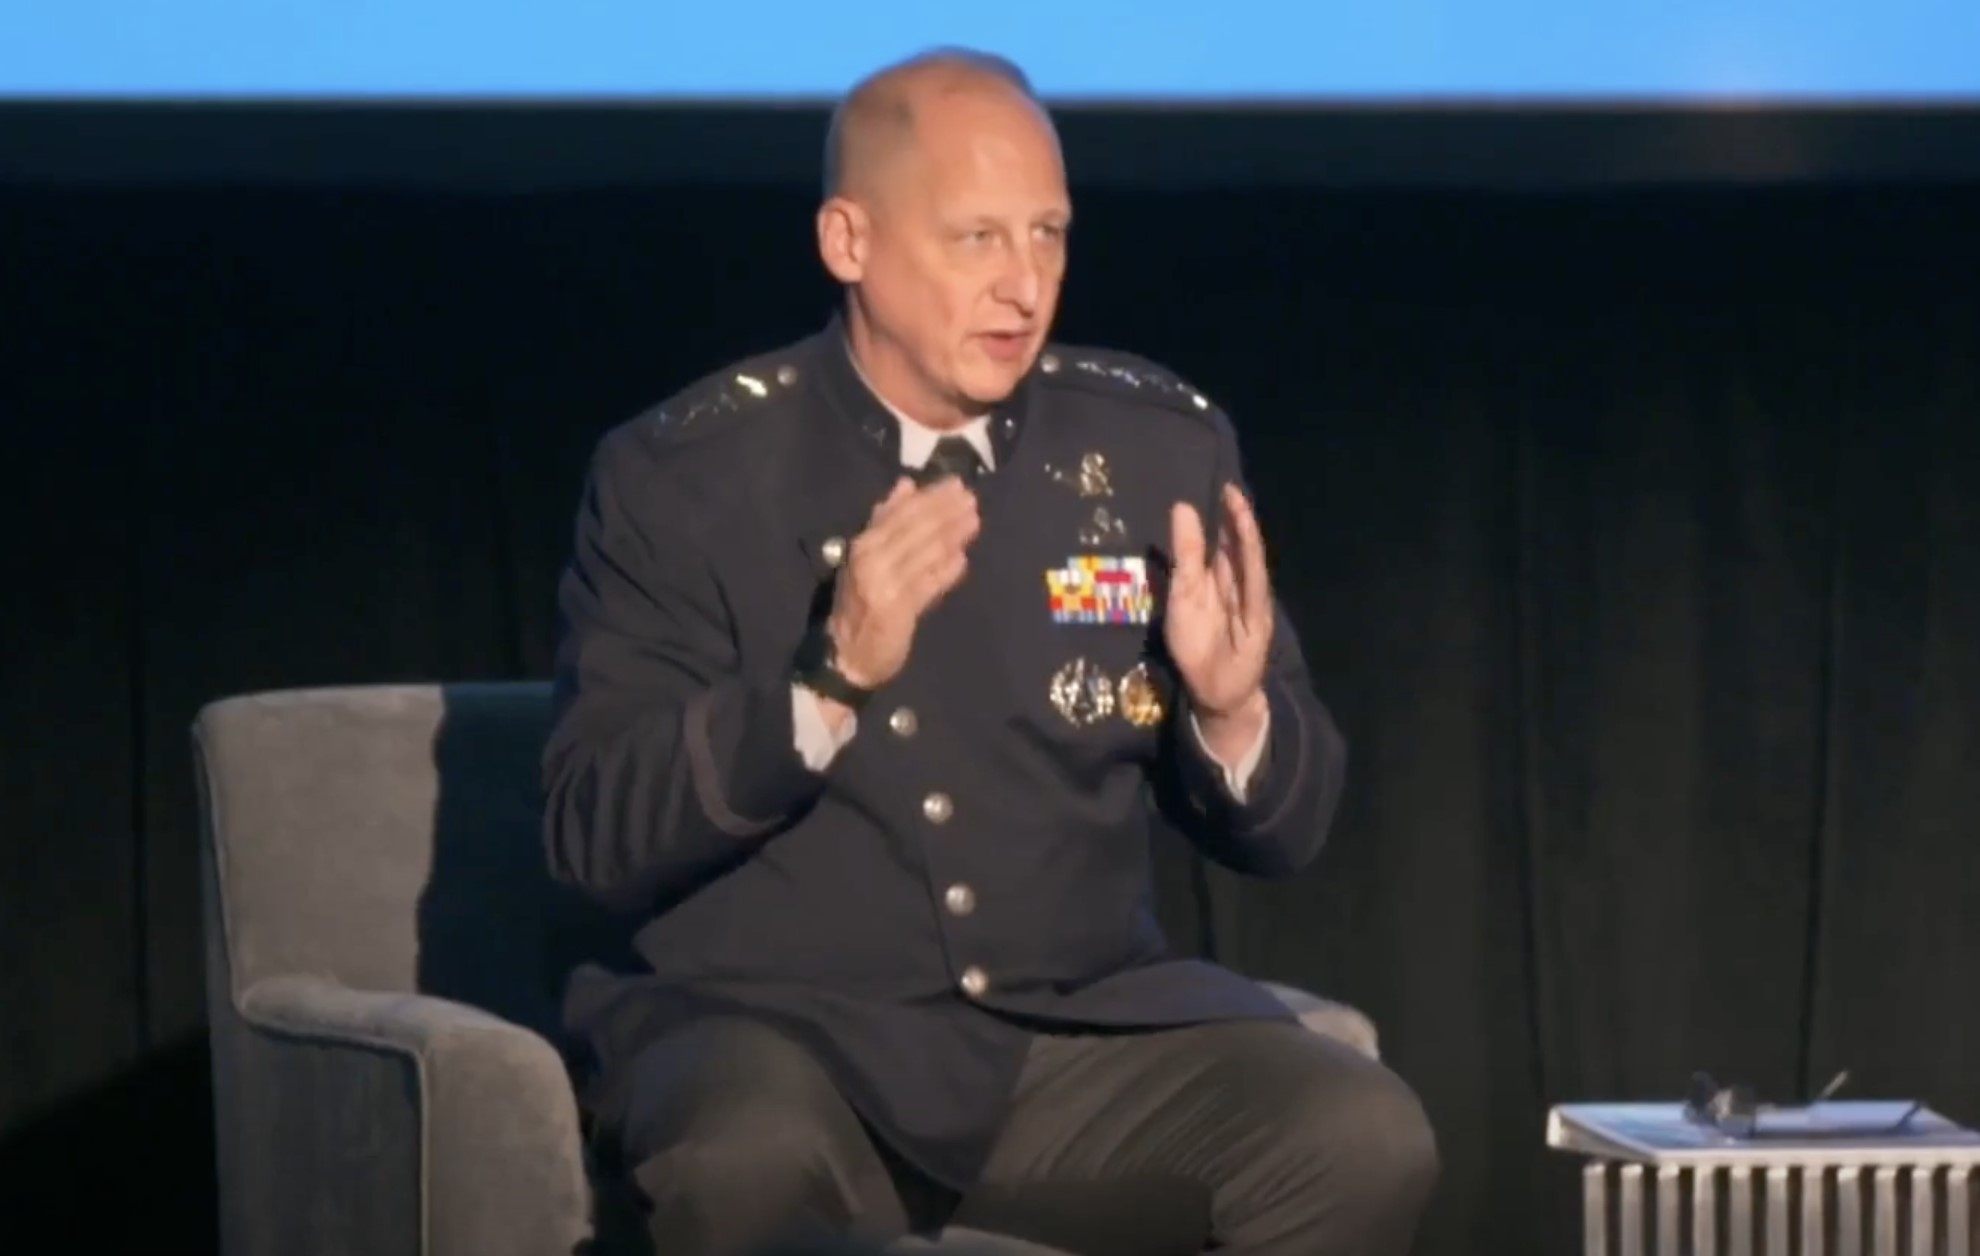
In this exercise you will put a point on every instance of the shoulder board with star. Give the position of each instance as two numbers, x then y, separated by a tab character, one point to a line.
1113	373
714	402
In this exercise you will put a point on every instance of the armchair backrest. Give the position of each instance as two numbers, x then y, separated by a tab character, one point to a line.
387	837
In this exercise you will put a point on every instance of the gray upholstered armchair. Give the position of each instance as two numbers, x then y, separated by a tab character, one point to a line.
384	951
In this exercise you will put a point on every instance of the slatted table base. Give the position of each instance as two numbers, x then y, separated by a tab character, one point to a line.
1631	1210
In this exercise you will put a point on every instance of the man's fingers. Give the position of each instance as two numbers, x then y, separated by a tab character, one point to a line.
1254	585
940	528
1228	595
930	512
1185	545
946	500
902	488
936	544
933	580
945	525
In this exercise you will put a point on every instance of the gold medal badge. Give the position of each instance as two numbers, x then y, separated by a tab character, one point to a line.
1140	700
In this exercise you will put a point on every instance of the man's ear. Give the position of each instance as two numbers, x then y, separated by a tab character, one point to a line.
842	239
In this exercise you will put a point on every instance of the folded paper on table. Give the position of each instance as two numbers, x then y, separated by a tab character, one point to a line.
1860	1132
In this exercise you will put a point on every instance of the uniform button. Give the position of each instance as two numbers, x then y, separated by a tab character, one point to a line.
833	550
959	899
975	982
903	722
938	808
1049	364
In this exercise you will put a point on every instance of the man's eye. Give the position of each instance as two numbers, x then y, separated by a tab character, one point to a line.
1051	233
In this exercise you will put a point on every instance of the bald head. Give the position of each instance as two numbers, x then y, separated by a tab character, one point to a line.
880	120
945	218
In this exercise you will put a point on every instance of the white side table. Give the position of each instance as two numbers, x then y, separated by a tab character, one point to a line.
1656	1184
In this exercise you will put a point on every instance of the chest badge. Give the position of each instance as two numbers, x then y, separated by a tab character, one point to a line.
1100	589
1081	692
1104	528
1091	478
1140	700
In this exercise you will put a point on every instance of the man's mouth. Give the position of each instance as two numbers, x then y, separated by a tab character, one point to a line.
1006	346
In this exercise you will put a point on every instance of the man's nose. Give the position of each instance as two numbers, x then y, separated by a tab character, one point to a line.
1021	282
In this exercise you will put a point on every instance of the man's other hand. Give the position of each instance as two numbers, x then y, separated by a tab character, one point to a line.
1218	622
913	551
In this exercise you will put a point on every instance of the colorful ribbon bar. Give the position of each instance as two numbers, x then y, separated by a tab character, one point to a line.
1100	589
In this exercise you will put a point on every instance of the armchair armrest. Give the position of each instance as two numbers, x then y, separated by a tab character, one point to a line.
466	1119
1325	1016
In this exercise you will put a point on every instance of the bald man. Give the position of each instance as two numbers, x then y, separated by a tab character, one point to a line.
883	659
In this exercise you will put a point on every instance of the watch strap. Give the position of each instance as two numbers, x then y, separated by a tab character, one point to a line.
817	671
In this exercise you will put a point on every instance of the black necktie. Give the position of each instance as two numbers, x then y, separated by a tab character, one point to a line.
953	455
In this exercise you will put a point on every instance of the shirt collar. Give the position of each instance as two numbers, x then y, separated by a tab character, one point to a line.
918	439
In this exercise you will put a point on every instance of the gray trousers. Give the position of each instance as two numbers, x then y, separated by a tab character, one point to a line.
736	1139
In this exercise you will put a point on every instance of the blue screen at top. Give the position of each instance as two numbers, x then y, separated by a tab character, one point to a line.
1203	50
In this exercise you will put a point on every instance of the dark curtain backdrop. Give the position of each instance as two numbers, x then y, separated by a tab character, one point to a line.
1631	535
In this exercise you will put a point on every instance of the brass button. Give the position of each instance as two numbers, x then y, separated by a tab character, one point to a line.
903	722
833	550
1049	364
959	899
975	982
938	808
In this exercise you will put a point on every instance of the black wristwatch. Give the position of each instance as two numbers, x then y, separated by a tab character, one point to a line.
816	668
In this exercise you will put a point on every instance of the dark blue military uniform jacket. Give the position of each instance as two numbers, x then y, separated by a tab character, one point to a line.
825	903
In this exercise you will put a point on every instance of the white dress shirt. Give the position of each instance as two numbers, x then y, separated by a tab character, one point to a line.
818	745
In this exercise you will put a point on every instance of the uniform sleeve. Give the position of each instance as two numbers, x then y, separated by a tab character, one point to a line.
1278	822
665	765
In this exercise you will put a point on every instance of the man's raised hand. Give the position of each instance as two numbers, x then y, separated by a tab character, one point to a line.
913	551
